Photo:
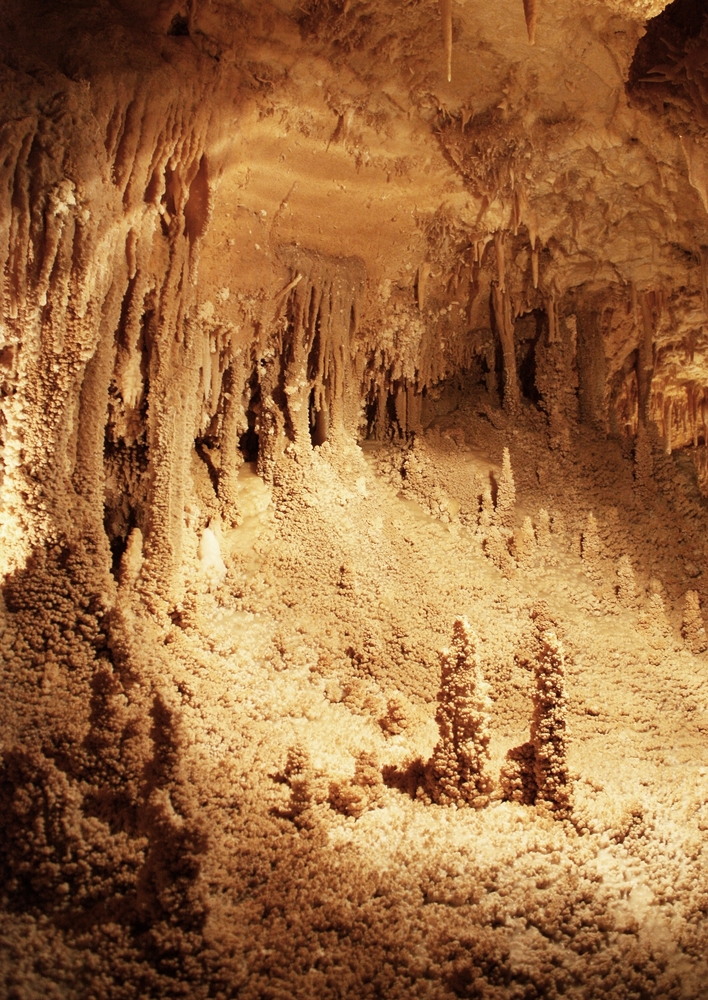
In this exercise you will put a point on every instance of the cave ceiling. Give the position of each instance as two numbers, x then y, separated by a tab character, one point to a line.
332	126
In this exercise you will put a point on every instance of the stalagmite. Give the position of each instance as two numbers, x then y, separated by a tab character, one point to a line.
537	772
506	494
132	559
626	585
486	510
525	543
534	263
363	792
397	717
548	726
458	769
654	621
693	627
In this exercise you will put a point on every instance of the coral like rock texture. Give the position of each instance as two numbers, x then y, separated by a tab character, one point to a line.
548	725
537	772
506	494
693	627
286	286
459	767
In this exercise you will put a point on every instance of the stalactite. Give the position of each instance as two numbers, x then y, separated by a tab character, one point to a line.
505	327
519	204
421	283
651	307
692	412
531	15
446	14
552	320
534	262
634	304
501	259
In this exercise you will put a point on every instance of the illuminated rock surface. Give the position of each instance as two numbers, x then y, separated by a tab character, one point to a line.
313	363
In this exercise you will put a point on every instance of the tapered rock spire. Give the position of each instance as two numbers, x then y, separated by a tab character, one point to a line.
446	14
531	14
458	769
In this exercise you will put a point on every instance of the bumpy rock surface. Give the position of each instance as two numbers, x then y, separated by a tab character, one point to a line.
288	291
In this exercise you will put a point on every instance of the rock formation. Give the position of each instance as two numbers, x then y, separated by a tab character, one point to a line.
537	772
458	769
281	282
506	494
693	627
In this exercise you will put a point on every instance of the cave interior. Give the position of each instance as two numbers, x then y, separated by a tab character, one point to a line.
353	499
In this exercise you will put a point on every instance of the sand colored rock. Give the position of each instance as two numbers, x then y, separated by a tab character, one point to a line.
458	769
537	772
693	627
590	544
506	495
284	289
626	583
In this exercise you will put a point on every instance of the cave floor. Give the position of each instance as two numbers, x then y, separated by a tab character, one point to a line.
341	587
343	581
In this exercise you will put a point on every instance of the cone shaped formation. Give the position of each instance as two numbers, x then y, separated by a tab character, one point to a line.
531	15
536	772
446	14
458	768
548	725
506	494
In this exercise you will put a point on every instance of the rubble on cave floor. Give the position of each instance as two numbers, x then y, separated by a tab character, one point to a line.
341	616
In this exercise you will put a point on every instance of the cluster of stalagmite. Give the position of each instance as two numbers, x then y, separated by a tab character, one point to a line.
534	773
